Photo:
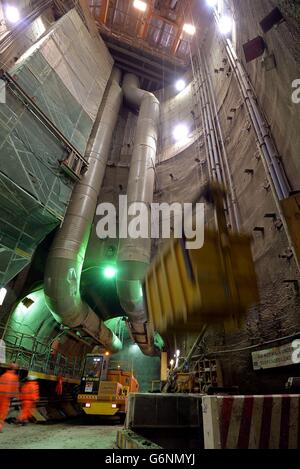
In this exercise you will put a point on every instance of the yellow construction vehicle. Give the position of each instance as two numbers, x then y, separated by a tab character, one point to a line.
186	289
104	389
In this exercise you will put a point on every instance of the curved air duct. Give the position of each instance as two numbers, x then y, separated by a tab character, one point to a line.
134	255
67	253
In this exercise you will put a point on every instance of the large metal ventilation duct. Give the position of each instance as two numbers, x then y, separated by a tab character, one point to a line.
134	255
67	253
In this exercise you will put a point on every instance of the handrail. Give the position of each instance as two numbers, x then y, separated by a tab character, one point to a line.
40	360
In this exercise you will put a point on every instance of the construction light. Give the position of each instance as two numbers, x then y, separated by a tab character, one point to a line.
172	363
87	404
180	85
139	5
212	3
225	24
180	132
110	272
107	354
189	29
12	14
114	406
177	353
3	293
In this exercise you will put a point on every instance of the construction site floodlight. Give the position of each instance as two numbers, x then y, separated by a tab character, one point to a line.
12	14
180	85
110	272
225	24
189	29
212	3
180	132
140	5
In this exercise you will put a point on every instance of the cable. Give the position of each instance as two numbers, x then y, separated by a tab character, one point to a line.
251	347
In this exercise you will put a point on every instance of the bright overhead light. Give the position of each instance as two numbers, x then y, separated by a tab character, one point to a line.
180	85
110	272
180	132
225	24
212	3
139	5
3	293
189	29
12	14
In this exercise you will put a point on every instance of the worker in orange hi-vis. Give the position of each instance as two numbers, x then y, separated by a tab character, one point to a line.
29	395
9	388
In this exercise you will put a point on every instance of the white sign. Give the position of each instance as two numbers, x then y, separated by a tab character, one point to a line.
285	355
2	351
88	387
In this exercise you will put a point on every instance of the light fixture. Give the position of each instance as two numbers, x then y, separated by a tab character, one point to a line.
225	24
180	132
3	293
87	404
212	3
189	29
12	14
114	406
177	353
180	85
139	5
172	363
110	272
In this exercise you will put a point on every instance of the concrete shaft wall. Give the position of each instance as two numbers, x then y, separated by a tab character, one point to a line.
182	170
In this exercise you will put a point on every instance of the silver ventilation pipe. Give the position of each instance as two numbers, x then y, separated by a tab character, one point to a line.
67	253
134	254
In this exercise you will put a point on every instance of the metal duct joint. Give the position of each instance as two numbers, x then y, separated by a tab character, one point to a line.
134	255
67	253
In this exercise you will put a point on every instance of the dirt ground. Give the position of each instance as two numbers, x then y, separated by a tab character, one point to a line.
68	435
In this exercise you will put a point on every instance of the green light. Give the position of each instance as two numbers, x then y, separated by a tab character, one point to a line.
110	272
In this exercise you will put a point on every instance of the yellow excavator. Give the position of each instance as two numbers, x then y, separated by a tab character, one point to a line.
186	289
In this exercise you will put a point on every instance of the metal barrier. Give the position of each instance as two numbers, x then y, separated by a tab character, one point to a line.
32	354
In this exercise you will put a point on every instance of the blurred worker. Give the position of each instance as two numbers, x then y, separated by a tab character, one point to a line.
29	395
9	388
59	386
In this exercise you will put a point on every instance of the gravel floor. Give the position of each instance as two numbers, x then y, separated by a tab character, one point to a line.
68	435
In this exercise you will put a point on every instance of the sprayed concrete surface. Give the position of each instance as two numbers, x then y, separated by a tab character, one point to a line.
68	435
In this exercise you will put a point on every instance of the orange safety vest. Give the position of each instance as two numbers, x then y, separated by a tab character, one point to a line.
9	384
59	386
30	391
